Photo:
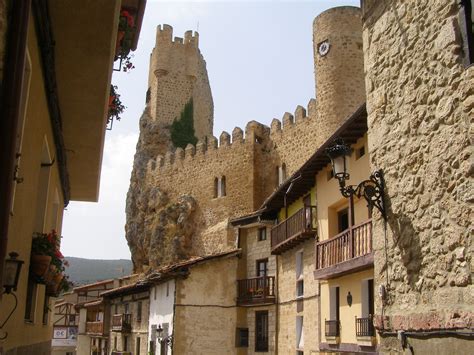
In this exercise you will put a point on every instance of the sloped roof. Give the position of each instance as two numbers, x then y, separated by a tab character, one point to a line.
350	131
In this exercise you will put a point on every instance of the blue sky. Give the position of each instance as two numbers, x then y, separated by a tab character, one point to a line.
259	58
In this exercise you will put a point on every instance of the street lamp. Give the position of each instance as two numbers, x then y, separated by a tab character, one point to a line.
372	189
11	274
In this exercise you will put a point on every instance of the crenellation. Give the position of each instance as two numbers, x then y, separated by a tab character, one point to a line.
179	153
287	120
312	108
300	114
275	126
169	158
201	147
160	161
237	135
190	151
224	139
212	143
164	34
178	40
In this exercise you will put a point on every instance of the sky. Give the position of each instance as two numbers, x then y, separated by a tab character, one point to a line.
259	57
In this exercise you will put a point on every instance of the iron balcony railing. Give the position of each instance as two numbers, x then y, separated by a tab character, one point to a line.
122	322
95	328
351	243
364	327
256	290
301	222
332	328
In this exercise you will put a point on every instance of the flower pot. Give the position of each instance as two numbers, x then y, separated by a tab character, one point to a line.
39	264
53	286
118	44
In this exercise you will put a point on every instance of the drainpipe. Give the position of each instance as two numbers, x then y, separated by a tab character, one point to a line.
13	72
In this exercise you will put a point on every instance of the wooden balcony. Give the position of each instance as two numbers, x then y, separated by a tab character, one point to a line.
293	230
258	290
347	252
122	323
95	328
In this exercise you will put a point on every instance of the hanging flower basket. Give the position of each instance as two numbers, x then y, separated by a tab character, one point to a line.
39	264
123	45
116	107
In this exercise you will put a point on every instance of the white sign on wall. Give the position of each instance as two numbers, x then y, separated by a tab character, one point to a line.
60	333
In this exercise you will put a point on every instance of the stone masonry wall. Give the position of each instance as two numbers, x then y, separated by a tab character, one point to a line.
205	313
339	74
420	100
290	307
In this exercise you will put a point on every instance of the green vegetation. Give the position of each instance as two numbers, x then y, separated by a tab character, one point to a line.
84	271
182	130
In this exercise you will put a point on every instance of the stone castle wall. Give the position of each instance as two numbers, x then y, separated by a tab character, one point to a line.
162	174
420	102
339	74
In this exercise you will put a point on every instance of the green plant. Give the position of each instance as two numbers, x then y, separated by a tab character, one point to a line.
182	130
48	244
116	107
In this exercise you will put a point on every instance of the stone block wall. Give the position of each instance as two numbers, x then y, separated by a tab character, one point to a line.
420	100
177	74
205	310
290	306
256	250
339	71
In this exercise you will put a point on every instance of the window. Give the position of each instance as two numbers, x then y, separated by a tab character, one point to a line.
261	331
262	267
139	311
125	343
299	274
242	338
126	307
115	343
343	220
137	346
30	301
167	288
299	333
72	319
330	174
219	187
216	187
281	170
367	296
154	292
466	14
223	187
359	152
116	309
262	234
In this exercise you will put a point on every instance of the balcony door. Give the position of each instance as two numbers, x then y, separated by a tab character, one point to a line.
262	267
342	220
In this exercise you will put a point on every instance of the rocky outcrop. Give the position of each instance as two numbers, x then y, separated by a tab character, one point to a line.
158	231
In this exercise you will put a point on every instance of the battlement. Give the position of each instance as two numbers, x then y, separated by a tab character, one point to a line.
255	133
300	117
164	36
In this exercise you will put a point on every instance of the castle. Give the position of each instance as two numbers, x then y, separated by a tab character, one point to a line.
397	88
250	160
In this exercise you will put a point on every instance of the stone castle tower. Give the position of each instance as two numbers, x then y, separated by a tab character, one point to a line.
173	210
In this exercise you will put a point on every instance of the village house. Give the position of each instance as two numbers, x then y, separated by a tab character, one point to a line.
54	115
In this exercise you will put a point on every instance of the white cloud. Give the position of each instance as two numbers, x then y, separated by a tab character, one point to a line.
97	229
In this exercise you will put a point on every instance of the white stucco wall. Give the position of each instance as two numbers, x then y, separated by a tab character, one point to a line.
162	298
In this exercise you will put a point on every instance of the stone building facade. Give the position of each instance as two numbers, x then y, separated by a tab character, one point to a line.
420	106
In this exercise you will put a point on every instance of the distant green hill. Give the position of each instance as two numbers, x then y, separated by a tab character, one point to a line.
83	271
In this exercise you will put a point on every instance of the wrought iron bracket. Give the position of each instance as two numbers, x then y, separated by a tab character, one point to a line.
372	190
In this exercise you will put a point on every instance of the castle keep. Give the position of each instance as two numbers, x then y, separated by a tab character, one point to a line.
173	208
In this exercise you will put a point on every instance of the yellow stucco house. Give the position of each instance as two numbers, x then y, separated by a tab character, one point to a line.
56	65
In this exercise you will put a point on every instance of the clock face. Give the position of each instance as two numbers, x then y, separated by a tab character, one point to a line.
323	48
